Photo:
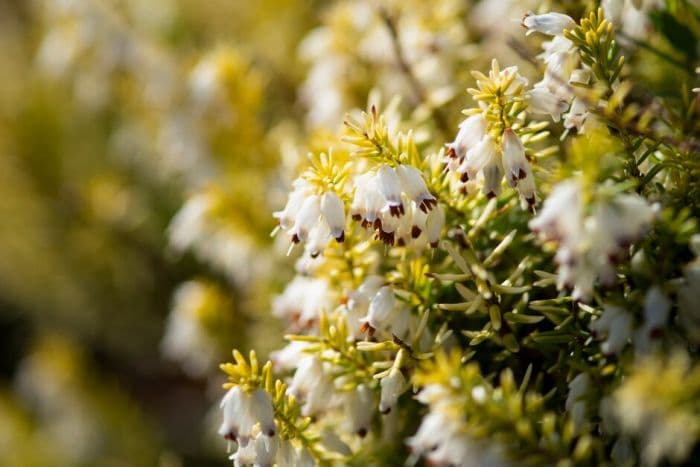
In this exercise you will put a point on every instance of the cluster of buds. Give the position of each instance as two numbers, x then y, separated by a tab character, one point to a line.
487	144
589	246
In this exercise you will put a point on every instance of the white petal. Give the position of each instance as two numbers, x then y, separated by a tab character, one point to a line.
552	24
307	218
333	212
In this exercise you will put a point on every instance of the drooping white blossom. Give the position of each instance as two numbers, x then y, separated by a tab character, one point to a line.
589	245
615	326
392	386
244	413
548	23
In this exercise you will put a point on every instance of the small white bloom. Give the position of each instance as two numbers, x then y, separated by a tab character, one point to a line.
265	450
515	163
333	211
234	406
493	175
312	384
612	9
479	394
301	190
306	219
319	237
243	412
390	187
479	156
245	454
552	24
542	101
414	186
392	386
262	411
615	326
431	433
286	454
471	131
288	357
302	302
357	304
360	404
434	225
561	212
382	308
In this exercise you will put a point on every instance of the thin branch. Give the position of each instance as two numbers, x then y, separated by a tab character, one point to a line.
419	91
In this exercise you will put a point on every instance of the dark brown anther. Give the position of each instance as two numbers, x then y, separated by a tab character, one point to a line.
415	231
340	238
397	210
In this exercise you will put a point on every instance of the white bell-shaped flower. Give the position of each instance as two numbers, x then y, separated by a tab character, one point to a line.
434	225
478	157
392	386
333	211
311	384
301	190
615	326
261	409
515	163
381	310
471	131
243	412
389	186
306	219
541	101
414	186
236	415
493	174
359	404
552	23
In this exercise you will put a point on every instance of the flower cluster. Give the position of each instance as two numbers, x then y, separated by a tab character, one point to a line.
262	420
427	320
389	197
487	146
591	239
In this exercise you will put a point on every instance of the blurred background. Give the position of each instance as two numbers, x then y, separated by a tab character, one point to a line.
130	131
